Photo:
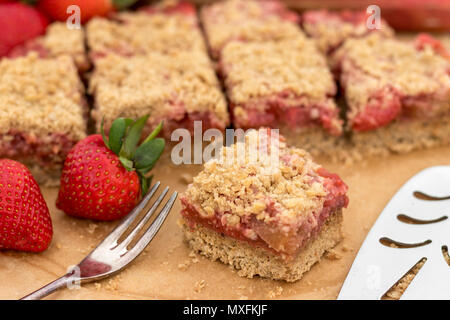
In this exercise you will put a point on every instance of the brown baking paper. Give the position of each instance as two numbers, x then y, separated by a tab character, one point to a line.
169	270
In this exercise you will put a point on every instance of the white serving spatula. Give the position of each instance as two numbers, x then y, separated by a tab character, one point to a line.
378	267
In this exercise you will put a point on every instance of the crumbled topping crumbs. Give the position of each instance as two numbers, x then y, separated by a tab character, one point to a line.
275	293
199	286
333	255
186	178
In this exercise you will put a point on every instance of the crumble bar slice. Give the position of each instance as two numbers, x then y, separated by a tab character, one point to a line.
163	29
58	40
398	93
178	88
285	85
264	217
331	29
42	112
251	20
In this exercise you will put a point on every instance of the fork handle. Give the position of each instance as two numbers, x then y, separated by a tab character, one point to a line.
49	288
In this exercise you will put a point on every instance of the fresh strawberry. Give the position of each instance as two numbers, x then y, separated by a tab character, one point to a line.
18	23
102	178
25	222
57	9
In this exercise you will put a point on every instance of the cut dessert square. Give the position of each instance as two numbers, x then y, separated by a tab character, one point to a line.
331	29
245	20
42	112
178	88
163	29
273	216
286	85
398	93
58	40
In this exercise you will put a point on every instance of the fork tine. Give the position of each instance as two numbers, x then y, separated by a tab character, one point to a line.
151	231
143	221
112	238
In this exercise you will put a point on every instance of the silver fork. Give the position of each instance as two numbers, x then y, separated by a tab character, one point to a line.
111	256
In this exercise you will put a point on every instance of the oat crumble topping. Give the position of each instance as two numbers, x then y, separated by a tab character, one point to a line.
140	32
57	41
162	85
60	40
330	29
247	21
41	97
372	63
244	188
256	70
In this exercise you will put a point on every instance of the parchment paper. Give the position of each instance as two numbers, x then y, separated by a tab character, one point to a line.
168	270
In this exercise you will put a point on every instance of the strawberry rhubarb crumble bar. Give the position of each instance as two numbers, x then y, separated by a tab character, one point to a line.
285	85
398	93
247	20
58	40
158	28
269	218
331	29
42	112
155	61
179	89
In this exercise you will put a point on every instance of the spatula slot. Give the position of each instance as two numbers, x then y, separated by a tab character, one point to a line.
423	196
446	254
410	220
396	291
388	242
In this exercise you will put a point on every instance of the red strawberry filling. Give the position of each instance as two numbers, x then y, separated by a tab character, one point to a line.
208	120
389	104
295	113
48	152
424	40
384	106
25	48
275	237
184	120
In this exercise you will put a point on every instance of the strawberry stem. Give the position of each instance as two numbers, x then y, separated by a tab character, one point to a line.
123	4
124	136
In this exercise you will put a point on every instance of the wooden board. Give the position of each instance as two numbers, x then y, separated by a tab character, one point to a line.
168	270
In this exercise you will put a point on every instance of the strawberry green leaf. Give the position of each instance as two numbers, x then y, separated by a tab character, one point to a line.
116	134
29	2
123	4
154	133
105	140
148	153
128	164
145	171
133	137
144	186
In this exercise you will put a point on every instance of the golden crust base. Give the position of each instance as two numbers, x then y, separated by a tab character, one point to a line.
251	261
